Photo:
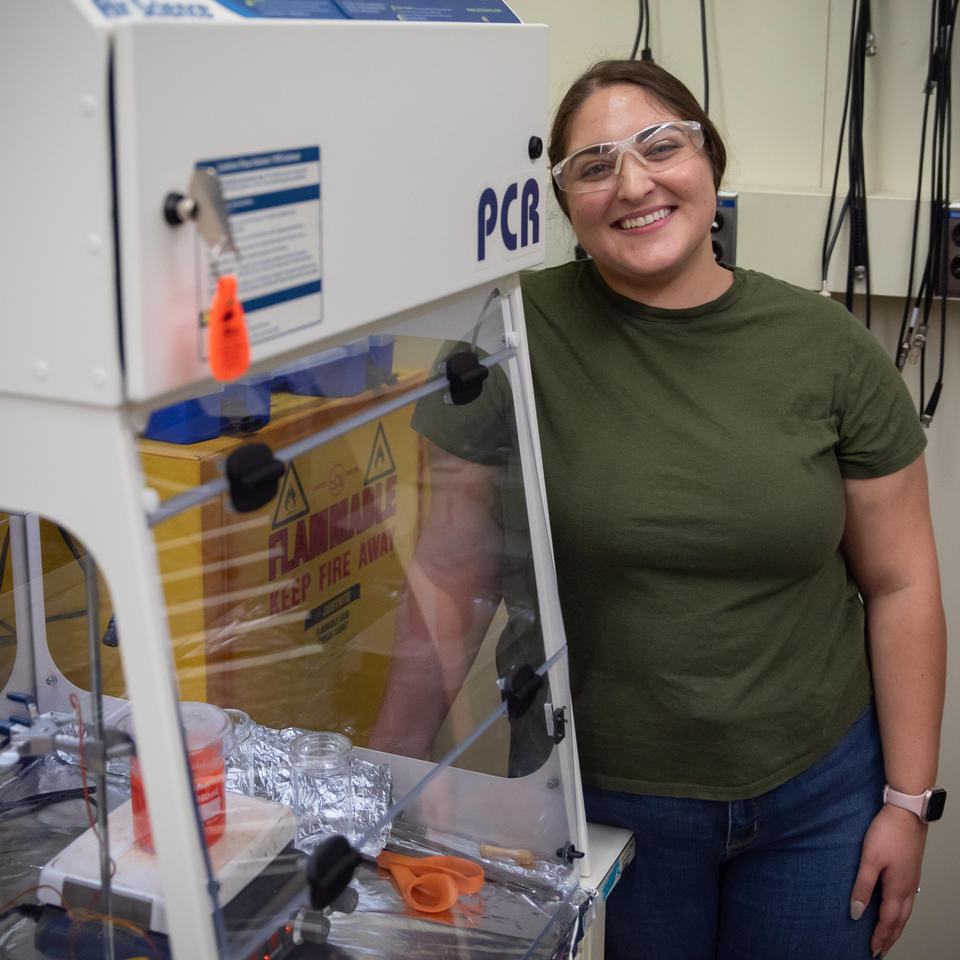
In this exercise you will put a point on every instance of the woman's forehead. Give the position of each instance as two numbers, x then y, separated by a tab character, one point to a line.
615	112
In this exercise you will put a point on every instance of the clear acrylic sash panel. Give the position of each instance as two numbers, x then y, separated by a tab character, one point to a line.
358	641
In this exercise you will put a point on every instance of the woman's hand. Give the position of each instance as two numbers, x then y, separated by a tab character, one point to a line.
892	854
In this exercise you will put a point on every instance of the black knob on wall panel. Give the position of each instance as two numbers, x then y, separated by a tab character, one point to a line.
724	228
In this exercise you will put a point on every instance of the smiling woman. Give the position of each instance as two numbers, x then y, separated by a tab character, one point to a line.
731	464
743	549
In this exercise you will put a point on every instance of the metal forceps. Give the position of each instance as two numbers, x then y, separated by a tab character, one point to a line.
432	884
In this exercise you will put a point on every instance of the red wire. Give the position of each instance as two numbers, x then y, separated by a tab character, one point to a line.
75	703
85	916
39	886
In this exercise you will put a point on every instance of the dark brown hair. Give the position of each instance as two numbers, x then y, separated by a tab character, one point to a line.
659	83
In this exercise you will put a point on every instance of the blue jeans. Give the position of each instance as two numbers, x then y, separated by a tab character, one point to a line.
763	879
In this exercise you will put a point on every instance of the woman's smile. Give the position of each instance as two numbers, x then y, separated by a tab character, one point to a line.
633	221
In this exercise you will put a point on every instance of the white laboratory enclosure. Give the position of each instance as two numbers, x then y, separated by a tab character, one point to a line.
282	668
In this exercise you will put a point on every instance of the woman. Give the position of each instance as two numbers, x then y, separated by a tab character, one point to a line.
738	500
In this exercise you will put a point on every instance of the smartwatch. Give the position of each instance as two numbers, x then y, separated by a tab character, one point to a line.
928	806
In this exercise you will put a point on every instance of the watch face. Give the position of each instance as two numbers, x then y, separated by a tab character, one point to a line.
935	804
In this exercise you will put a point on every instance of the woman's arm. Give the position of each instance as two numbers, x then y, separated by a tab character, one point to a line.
451	593
889	546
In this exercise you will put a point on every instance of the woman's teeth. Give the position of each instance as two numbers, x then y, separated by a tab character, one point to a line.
631	222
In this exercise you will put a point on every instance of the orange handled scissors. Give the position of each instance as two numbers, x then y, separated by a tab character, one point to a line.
432	884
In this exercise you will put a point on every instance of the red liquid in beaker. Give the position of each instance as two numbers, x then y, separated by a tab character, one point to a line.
207	772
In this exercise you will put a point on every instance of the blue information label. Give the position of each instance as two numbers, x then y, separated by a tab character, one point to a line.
285	9
455	11
462	11
273	199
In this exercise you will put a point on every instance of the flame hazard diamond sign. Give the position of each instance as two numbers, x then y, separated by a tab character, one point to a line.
381	459
291	501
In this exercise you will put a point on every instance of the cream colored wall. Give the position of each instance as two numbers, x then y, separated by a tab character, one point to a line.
777	73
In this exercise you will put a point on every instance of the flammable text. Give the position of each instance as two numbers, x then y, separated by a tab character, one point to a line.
330	527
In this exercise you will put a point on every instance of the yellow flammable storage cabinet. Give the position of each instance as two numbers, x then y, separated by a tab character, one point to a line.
321	566
277	600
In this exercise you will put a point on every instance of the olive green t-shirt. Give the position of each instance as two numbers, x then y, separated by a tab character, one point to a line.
694	462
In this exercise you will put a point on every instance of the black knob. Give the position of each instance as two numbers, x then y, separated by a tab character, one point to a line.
253	474
569	852
535	148
178	208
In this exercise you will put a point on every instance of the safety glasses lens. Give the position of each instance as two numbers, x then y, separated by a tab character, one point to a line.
658	148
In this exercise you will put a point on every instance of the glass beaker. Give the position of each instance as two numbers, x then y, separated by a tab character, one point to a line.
238	752
205	727
322	787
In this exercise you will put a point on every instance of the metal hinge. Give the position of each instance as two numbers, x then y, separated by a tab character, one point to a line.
556	718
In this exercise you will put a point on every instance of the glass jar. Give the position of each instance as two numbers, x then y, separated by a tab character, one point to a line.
322	787
238	752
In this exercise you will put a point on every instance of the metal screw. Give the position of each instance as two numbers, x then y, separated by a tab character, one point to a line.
553	783
51	681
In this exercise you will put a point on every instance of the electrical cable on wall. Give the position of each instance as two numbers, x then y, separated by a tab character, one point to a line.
854	206
933	281
643	21
703	45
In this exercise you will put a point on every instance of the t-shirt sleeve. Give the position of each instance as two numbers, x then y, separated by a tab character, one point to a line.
880	431
481	431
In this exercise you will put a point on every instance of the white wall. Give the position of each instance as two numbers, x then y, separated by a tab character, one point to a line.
777	73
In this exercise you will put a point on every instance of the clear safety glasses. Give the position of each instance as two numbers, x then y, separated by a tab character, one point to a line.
658	148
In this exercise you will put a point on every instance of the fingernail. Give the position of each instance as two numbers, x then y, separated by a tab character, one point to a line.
856	910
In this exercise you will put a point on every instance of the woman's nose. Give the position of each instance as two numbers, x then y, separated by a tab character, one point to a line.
634	176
